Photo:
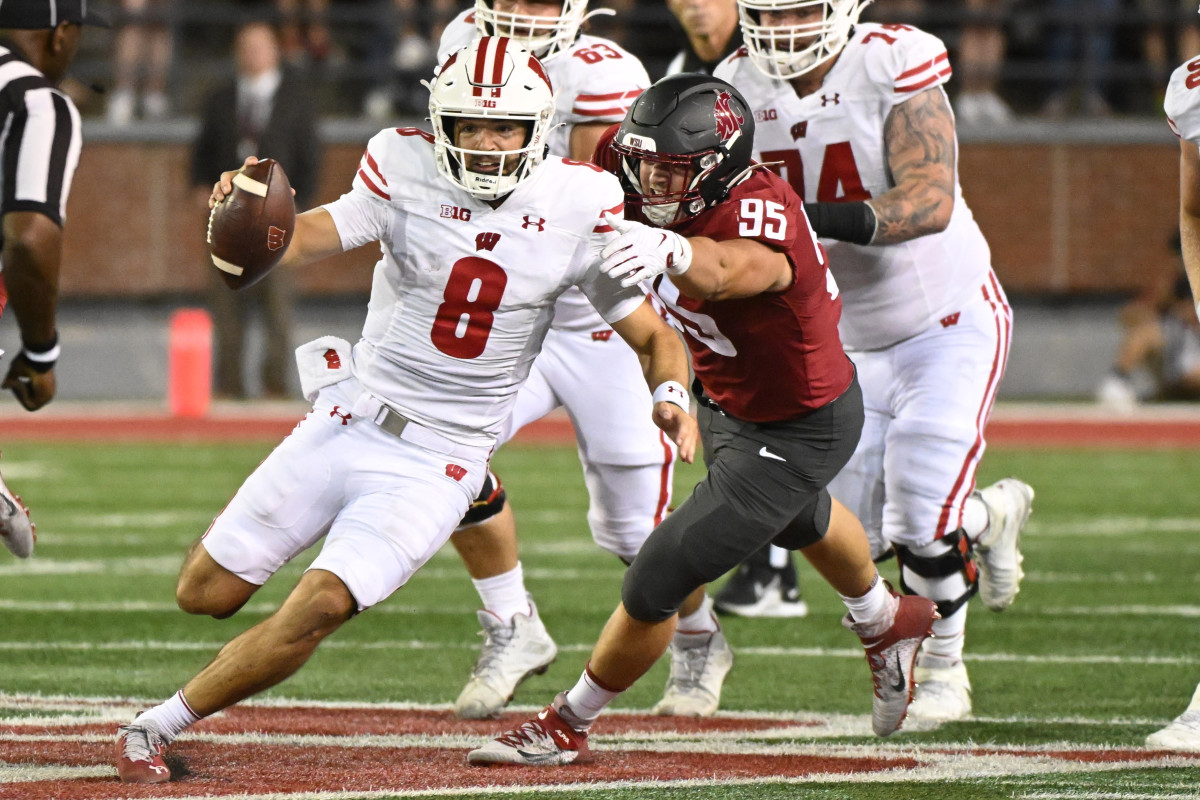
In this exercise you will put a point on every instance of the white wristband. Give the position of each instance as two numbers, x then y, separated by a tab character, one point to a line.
672	392
47	357
681	258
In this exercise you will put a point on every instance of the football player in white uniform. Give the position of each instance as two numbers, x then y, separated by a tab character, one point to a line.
855	117
1182	105
627	463
479	236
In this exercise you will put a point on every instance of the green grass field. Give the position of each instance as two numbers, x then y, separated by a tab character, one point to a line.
1101	648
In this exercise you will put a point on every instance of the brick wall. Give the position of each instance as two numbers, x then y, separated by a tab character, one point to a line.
1060	218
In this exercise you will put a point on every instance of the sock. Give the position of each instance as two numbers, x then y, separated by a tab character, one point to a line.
170	717
949	634
975	518
588	698
779	557
504	595
875	611
702	620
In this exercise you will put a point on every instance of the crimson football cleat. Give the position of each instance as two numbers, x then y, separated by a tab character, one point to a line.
547	740
892	655
140	747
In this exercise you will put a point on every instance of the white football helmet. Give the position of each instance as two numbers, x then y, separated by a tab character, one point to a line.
816	32
491	78
545	37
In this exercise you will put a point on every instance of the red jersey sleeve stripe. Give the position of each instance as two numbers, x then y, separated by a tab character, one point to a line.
919	69
375	168
371	185
932	79
616	111
595	98
603	227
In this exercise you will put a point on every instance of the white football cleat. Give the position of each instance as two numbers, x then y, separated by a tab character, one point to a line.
943	692
1009	503
16	531
699	663
1184	731
511	653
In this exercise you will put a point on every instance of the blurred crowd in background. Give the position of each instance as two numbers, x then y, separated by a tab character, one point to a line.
1050	59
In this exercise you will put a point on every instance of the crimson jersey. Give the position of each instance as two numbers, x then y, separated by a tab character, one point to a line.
777	355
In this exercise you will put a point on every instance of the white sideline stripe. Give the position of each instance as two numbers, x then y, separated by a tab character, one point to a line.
416	644
1121	611
1103	796
123	708
169	565
24	773
1113	526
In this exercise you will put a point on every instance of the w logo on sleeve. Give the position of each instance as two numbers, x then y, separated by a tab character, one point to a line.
456	472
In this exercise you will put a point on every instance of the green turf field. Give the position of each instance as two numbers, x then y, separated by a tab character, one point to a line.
1101	648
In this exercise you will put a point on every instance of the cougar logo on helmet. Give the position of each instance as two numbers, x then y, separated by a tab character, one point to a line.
729	121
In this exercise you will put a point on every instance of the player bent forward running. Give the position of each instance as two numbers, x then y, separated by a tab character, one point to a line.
388	461
781	411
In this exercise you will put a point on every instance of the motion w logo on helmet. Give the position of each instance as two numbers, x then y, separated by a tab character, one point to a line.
729	121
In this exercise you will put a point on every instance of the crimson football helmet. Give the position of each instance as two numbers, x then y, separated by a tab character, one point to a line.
811	33
687	122
491	78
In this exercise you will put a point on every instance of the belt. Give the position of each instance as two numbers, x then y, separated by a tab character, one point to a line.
392	421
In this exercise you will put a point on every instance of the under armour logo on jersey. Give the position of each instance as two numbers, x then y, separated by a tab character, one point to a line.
826	99
345	417
455	471
275	237
530	222
487	241
952	319
601	336
332	359
454	212
799	130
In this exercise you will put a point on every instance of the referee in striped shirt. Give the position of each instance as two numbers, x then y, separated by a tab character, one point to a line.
39	149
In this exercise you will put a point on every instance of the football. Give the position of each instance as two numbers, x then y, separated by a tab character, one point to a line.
250	230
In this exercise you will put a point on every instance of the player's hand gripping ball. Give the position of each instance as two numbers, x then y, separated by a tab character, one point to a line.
250	230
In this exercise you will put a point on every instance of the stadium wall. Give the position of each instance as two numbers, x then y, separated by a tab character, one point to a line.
1066	210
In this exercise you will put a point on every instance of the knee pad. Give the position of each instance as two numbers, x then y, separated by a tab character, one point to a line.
488	504
943	571
809	526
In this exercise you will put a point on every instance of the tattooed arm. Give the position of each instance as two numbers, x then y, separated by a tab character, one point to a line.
919	138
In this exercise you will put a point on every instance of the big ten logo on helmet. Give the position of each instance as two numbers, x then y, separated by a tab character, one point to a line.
765	115
454	212
728	120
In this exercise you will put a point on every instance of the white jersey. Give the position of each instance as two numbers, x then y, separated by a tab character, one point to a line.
463	294
831	146
1182	103
594	80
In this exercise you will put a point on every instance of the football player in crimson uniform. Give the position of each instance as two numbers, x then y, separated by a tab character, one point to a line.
628	464
856	119
394	452
1182	105
730	253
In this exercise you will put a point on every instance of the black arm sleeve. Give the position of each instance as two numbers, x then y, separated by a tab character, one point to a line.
846	222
